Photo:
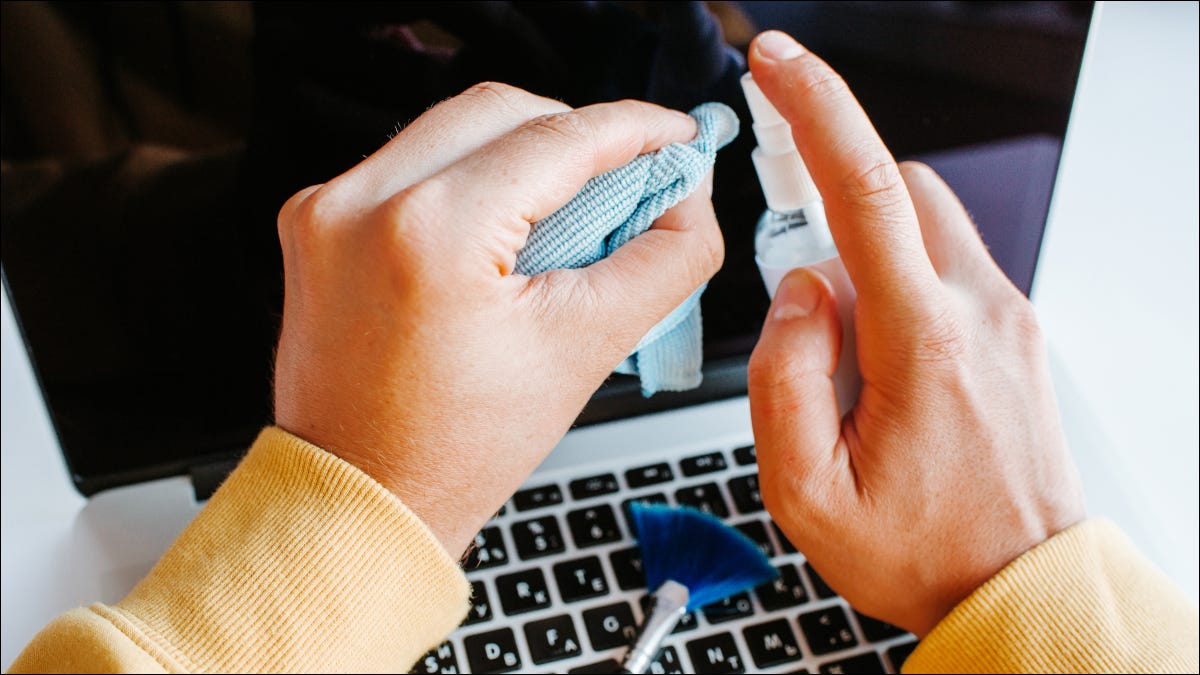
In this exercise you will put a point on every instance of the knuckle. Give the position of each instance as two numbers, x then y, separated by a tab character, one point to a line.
821	82
286	218
1023	322
571	133
498	93
568	126
315	211
410	211
878	186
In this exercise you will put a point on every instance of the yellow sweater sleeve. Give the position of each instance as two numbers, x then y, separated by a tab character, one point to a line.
299	562
1083	601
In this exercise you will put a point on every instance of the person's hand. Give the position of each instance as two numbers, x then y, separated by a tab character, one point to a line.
953	462
410	349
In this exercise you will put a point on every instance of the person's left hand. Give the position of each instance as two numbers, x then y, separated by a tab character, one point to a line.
411	350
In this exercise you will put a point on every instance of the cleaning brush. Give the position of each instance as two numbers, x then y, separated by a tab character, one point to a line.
691	559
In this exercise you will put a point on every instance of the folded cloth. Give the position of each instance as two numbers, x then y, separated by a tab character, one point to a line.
616	206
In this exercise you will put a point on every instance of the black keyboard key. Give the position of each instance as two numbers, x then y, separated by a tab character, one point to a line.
522	591
608	667
487	550
746	495
827	630
593	486
538	537
439	660
627	565
900	653
610	626
821	588
649	475
716	654
694	466
863	663
492	652
772	643
745	456
579	579
706	498
785	591
757	533
653	498
875	630
686	622
784	542
733	607
536	498
552	639
666	663
593	526
481	605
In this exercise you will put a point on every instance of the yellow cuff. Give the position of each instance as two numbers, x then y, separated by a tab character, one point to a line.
1083	601
300	561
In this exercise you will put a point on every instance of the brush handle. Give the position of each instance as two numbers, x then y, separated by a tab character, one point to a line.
667	608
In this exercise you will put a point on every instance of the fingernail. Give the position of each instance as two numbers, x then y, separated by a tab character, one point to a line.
778	46
797	296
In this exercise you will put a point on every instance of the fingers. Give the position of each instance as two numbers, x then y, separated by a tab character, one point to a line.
642	281
951	240
793	405
530	172
444	135
869	209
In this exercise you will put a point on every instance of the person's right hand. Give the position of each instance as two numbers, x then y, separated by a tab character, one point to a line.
953	462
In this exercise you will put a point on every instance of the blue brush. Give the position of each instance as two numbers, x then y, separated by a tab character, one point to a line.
691	559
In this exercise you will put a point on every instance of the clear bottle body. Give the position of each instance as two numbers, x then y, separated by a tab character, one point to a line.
784	241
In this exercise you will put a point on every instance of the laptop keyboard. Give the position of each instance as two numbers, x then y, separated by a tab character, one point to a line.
558	584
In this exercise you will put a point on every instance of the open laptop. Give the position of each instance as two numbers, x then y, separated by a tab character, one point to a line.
140	332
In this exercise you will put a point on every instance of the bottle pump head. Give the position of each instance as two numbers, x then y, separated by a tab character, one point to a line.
785	180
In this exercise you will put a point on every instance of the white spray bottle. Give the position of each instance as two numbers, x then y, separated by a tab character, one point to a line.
793	231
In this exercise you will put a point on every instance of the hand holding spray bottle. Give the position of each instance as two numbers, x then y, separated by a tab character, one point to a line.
793	231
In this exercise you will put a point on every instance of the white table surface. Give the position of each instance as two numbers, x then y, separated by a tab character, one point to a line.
1117	293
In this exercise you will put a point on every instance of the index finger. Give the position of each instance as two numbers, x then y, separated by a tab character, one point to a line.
528	173
868	206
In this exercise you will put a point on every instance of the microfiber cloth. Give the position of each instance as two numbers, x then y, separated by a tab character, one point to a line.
617	206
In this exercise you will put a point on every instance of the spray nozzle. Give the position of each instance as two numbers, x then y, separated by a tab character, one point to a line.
785	180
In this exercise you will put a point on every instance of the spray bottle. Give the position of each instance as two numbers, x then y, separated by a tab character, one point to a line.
793	231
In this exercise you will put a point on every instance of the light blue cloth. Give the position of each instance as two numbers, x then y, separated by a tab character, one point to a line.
617	206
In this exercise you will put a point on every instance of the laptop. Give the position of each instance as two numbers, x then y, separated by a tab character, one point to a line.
153	314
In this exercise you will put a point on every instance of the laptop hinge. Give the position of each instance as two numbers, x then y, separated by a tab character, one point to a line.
207	477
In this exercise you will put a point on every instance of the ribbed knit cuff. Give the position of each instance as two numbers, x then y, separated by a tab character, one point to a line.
299	562
1083	601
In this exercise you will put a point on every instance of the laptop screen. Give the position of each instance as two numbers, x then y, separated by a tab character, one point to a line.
146	150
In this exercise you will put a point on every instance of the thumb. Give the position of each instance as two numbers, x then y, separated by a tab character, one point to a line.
792	402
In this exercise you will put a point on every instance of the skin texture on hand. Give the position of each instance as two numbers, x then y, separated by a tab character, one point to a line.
953	462
411	350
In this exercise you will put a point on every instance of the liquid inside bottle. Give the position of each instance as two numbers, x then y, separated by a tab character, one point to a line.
786	240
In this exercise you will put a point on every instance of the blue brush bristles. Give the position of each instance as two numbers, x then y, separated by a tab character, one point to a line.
710	558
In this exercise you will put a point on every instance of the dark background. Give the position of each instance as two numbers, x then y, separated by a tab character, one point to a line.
146	148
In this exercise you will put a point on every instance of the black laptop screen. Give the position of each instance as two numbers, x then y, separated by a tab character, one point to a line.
147	148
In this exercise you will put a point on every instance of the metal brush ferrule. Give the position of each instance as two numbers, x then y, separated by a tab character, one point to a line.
667	607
